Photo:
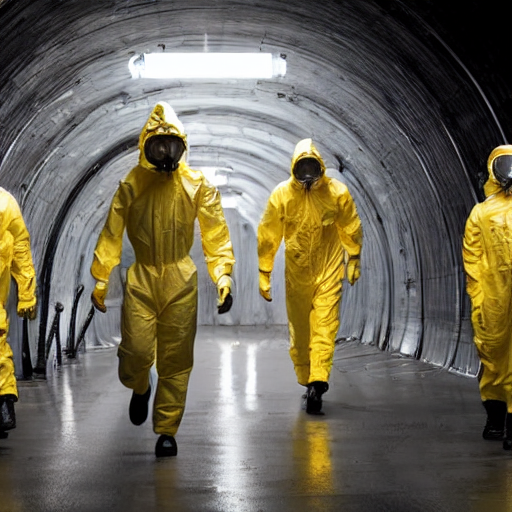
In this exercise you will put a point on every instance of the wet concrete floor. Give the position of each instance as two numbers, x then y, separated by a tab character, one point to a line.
397	435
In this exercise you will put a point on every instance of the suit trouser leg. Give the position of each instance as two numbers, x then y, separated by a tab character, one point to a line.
325	321
176	330
298	306
495	378
7	375
136	351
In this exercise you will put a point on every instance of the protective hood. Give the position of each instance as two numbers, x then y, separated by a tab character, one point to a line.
306	149
492	186
162	121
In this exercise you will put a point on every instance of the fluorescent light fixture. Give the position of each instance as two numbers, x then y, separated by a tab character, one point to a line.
228	202
217	176
207	65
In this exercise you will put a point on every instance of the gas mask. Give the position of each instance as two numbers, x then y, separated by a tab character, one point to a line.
164	152
502	169
307	171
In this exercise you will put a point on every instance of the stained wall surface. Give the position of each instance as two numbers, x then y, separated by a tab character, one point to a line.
399	111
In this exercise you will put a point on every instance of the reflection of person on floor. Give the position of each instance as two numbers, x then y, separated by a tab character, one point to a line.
158	202
487	254
317	217
15	261
312	453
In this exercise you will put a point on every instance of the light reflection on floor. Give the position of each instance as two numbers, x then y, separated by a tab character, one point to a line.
394	437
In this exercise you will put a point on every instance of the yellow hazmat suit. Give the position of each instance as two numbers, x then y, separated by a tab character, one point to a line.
487	255
159	312
320	225
15	261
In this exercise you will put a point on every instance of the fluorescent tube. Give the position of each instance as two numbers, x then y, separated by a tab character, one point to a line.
206	65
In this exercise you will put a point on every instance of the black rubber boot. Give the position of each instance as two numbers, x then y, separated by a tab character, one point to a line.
166	446
139	407
7	415
495	426
507	441
314	397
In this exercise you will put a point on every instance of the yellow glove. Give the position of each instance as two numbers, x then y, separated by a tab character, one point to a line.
98	296
225	300
353	270
265	285
30	313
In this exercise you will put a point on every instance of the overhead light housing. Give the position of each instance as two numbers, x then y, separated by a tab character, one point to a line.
207	65
217	176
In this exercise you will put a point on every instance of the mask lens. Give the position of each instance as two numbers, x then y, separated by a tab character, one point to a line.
502	169
307	170
164	151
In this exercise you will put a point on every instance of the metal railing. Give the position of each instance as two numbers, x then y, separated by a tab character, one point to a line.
72	344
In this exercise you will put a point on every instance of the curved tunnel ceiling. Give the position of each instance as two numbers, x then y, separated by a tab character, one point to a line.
393	111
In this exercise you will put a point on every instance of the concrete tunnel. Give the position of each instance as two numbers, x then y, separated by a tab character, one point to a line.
396	113
404	99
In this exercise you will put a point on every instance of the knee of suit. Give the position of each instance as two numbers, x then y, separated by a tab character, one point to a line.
177	371
134	369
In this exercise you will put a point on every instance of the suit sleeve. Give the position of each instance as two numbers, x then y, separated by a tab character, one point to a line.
217	247
349	226
22	268
109	247
270	233
472	253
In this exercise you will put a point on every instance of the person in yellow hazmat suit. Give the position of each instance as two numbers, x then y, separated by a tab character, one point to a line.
15	261
487	256
322	232
157	203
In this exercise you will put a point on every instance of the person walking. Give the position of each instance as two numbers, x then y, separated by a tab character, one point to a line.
158	203
322	232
